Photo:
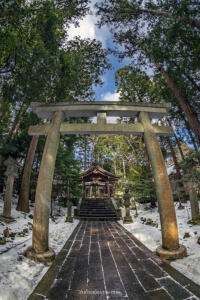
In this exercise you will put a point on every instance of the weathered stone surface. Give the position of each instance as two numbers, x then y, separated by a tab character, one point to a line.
7	219
106	265
172	254
44	187
90	109
168	221
11	173
127	219
174	289
67	128
12	167
8	197
46	257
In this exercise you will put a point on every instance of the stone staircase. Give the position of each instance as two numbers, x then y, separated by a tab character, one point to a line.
99	209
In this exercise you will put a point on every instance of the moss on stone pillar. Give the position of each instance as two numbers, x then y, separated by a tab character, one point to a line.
44	188
170	240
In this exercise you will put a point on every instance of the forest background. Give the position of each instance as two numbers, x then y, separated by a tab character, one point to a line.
39	62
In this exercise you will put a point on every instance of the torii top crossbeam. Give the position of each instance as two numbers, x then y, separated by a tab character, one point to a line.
91	109
102	110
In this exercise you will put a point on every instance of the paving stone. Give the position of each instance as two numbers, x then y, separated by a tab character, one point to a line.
134	262
101	260
192	298
130	281
95	274
130	243
85	294
194	289
112	279
94	238
76	295
68	245
159	295
66	271
86	239
121	259
174	289
84	250
139	253
75	248
36	297
153	268
80	273
58	290
183	280
147	281
104	250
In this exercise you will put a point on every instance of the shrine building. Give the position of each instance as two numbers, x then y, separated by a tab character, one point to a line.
98	183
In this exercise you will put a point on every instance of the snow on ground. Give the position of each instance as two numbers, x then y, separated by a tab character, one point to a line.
19	275
150	236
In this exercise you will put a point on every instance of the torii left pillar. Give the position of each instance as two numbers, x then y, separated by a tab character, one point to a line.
40	251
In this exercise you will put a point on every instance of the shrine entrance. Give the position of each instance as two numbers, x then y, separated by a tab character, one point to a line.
40	250
98	183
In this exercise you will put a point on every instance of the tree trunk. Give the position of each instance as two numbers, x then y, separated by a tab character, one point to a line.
152	198
124	168
193	82
192	140
17	122
115	166
183	102
177	142
193	198
179	147
192	22
182	194
23	203
85	154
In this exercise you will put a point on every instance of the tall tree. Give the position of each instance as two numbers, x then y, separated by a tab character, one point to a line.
39	63
158	43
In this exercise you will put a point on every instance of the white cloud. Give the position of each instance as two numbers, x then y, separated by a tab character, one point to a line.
86	28
110	97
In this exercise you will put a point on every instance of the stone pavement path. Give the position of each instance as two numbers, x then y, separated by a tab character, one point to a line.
101	260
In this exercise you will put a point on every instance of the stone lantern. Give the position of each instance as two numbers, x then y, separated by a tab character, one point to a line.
11	173
127	219
69	212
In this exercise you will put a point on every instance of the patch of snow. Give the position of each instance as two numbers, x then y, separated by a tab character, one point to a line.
150	236
19	275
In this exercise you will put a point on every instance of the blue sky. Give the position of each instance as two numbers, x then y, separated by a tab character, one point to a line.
88	29
109	87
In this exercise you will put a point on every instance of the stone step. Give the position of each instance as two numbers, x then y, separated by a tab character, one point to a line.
99	218
100	208
97	215
97	209
96	205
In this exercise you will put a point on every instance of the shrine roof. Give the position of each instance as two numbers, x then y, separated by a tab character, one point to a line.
97	170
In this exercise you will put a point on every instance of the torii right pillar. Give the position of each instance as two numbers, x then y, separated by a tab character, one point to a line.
170	248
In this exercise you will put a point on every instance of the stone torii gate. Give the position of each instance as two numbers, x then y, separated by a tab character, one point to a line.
57	112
